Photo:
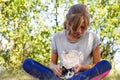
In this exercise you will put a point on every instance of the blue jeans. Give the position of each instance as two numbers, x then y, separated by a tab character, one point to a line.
99	71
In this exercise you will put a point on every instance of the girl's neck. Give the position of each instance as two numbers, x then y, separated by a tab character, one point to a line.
71	38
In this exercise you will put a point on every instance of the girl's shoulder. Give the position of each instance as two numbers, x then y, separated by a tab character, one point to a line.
93	34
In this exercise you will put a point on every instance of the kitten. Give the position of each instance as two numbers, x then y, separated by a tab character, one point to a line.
70	59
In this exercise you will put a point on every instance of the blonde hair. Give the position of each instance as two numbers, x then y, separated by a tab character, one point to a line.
76	15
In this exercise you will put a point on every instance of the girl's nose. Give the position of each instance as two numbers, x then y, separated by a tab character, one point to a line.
79	30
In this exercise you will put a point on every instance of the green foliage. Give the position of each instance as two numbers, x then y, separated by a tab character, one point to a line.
22	24
15	27
105	15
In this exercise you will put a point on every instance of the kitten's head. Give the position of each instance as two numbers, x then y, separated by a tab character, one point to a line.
67	73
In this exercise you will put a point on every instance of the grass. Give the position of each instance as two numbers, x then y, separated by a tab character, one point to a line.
15	75
113	75
21	75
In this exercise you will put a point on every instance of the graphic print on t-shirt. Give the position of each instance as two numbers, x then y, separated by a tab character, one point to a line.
71	58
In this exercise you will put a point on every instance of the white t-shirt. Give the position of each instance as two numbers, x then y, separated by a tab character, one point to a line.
84	45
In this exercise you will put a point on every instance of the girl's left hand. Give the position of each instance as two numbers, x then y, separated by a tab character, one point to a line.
77	68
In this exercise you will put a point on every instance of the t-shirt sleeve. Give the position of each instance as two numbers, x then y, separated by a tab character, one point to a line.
53	44
96	41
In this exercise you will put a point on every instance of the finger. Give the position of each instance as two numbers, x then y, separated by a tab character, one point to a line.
76	70
59	69
58	72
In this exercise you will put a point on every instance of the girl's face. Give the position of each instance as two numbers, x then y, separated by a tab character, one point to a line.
79	32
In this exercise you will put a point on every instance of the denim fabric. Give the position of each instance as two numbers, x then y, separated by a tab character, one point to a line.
43	73
100	68
37	70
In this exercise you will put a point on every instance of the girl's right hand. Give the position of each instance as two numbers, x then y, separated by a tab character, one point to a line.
58	70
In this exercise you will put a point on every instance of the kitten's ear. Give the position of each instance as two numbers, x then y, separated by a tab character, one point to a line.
64	67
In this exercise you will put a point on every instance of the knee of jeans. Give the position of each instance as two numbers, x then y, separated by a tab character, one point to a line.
27	62
107	64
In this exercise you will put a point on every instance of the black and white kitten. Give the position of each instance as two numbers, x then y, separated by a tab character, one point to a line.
67	73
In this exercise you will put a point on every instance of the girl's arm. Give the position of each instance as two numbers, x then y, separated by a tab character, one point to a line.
53	64
96	59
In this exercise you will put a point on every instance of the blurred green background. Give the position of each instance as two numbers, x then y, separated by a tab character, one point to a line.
27	27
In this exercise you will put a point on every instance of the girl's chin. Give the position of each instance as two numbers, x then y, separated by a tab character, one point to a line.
77	36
